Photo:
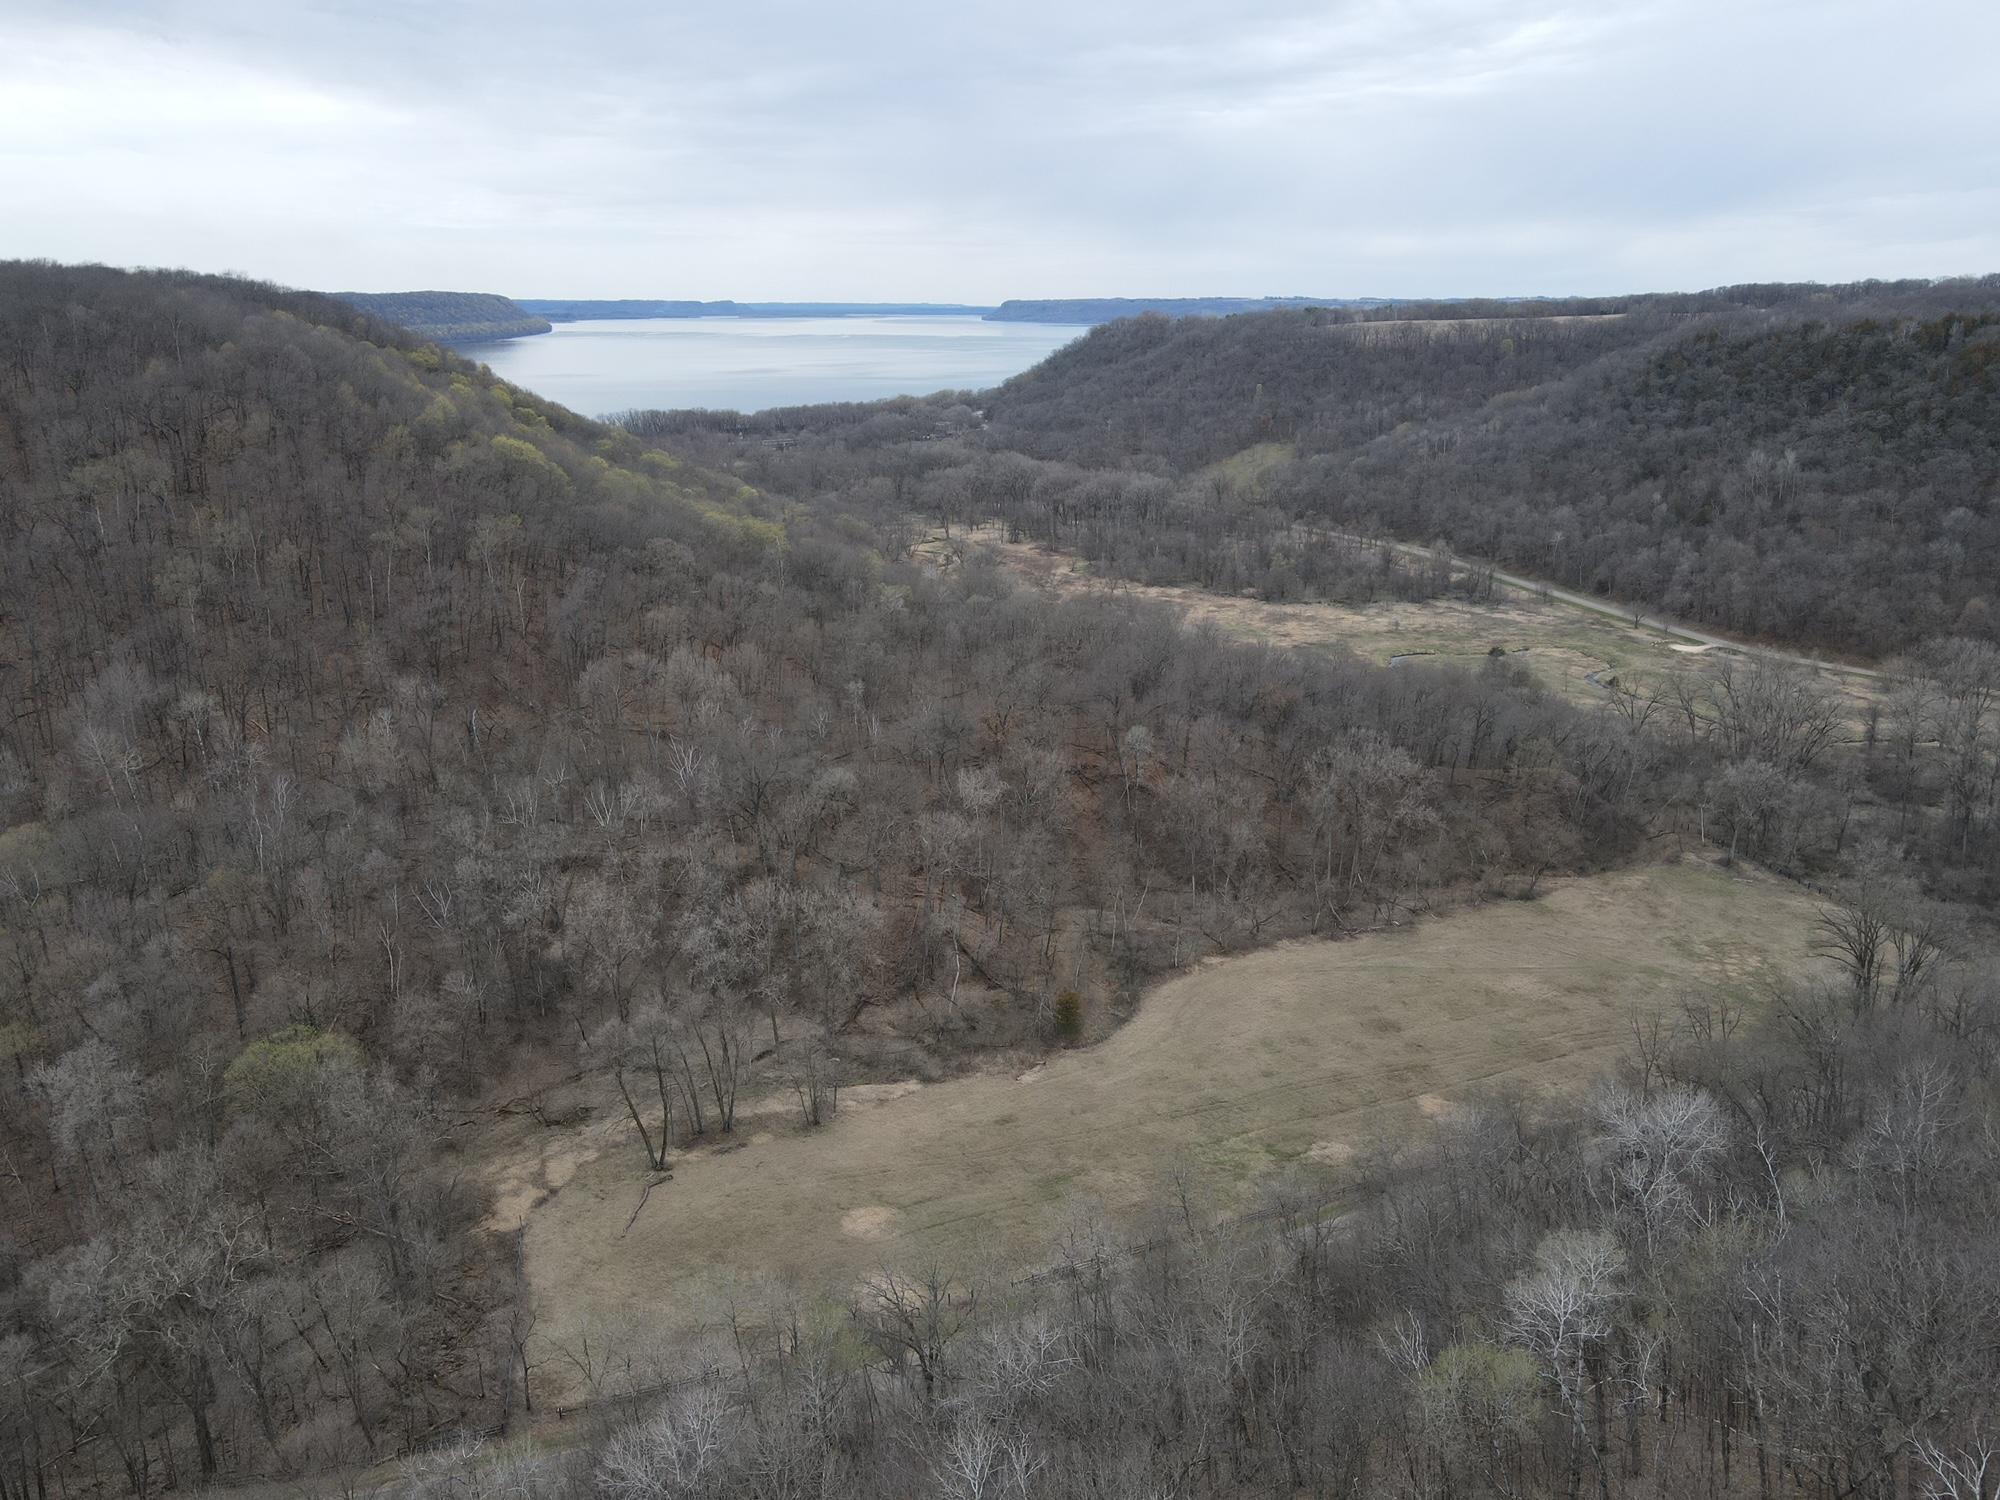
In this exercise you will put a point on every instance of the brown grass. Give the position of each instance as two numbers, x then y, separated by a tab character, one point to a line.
1307	1053
1570	651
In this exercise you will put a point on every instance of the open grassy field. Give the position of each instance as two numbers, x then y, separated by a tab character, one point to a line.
1245	469
1572	651
1563	647
1303	1053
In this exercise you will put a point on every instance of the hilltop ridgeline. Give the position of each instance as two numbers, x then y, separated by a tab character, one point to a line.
1109	309
450	317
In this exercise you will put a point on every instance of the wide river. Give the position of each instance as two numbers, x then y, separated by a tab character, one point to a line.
747	364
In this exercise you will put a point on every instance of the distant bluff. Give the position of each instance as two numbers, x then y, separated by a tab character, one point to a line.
450	317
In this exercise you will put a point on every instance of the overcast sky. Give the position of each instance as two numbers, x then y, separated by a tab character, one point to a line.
966	151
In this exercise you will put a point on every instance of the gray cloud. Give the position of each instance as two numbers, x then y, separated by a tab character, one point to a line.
1038	149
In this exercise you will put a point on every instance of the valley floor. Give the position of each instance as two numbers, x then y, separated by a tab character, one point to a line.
1306	1054
1574	646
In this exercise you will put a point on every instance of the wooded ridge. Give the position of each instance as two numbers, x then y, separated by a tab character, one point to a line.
450	317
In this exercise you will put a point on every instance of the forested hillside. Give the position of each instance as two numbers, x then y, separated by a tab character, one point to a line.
1813	465
1836	484
373	735
1189	391
451	317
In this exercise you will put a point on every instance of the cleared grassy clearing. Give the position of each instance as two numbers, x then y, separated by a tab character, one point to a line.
1304	1053
1573	652
1245	470
1563	647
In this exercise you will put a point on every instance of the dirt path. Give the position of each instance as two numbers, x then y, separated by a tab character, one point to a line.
1305	1053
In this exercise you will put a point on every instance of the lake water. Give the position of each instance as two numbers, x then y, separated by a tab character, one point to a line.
613	365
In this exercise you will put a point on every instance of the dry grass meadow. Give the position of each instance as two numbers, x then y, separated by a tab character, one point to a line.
1573	652
1309	1052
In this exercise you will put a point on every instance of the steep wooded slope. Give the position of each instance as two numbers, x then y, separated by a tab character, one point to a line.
1835	483
1194	390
